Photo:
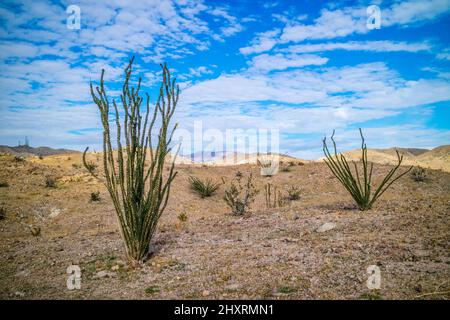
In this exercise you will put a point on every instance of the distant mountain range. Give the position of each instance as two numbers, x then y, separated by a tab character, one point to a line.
26	151
437	158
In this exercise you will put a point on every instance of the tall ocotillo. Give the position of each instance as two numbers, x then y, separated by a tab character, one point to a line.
359	186
139	192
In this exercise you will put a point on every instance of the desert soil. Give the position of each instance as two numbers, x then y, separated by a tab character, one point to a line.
270	254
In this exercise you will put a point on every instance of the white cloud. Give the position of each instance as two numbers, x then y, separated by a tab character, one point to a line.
373	46
347	21
265	62
371	85
262	42
330	24
414	11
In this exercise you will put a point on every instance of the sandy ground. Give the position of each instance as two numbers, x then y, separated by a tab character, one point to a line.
270	254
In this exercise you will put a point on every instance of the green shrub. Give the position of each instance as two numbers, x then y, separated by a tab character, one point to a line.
152	290
183	216
89	165
204	188
359	185
294	193
95	196
50	182
239	196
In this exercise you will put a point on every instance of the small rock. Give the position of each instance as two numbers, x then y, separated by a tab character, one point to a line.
234	286
54	213
104	274
115	268
205	293
19	294
326	227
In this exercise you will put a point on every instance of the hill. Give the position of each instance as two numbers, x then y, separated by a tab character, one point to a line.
437	158
26	151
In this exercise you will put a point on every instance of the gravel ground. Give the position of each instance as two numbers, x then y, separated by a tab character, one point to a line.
270	254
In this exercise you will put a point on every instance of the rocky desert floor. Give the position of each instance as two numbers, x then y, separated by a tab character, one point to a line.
275	253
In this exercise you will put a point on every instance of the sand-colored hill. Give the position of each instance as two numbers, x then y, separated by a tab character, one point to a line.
236	158
27	151
437	158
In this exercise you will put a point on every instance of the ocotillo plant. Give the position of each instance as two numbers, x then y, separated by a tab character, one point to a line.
140	193
359	187
273	196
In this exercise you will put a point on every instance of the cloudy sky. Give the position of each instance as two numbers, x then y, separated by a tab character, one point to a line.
303	67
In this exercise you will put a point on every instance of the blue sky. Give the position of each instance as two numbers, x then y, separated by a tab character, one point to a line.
303	67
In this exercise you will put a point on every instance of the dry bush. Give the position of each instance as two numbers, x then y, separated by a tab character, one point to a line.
240	195
50	182
418	174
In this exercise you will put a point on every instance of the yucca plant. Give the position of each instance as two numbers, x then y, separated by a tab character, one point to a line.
139	192
205	188
359	185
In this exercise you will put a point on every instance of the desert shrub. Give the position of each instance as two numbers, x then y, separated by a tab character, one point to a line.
77	166
205	188
418	174
2	213
359	185
238	174
41	157
285	168
35	231
89	165
300	163
293	193
19	159
152	290
268	167
273	196
183	216
4	184
95	196
240	195
50	182
140	193
292	163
